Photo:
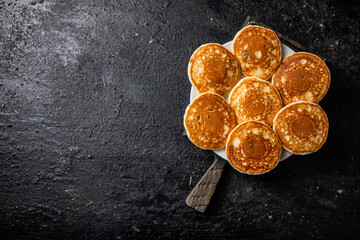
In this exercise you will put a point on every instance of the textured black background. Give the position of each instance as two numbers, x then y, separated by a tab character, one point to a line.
93	96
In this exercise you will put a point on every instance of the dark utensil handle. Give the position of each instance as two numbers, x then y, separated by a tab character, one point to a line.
199	197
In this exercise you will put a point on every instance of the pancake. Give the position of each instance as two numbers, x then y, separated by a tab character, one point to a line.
209	120
302	76
212	68
258	50
302	127
255	99
253	148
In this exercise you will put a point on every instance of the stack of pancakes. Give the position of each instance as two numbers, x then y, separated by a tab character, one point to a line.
260	117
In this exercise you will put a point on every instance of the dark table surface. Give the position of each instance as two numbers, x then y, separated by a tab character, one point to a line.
92	99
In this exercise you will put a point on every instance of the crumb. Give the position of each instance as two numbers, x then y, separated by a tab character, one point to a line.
151	41
2	105
270	216
95	84
340	191
136	34
321	25
289	213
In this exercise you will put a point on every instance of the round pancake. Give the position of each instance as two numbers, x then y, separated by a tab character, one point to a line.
253	148
208	120
255	99
302	76
212	68
258	50
302	127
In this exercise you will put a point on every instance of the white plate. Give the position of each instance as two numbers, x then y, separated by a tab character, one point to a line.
194	93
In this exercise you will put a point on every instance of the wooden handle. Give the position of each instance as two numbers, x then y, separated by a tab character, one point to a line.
199	197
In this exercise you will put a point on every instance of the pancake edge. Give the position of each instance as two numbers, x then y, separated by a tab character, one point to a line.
190	64
186	111
265	81
327	132
227	141
281	52
272	80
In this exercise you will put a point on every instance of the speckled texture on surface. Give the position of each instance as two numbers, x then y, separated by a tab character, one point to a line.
92	98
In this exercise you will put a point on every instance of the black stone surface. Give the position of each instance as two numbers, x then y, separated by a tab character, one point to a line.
92	98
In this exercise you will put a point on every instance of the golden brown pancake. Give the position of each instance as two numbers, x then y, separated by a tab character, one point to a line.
212	68
258	50
255	99
253	148
208	120
302	127
302	76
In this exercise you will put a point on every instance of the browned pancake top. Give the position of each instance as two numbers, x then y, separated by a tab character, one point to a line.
253	148
255	99
208	120
212	68
302	127
302	76
259	51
